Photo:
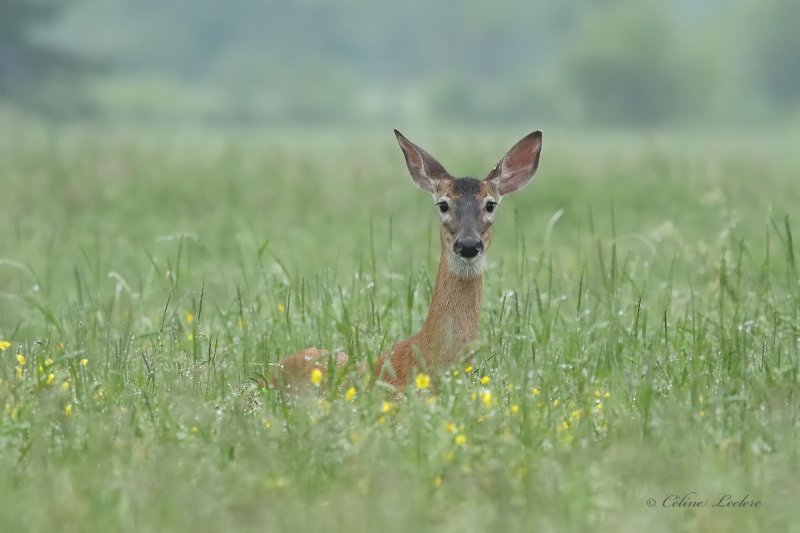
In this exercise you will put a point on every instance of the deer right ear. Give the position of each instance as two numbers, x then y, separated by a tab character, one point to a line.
425	170
517	167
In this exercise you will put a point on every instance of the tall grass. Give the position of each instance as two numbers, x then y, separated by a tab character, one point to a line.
639	336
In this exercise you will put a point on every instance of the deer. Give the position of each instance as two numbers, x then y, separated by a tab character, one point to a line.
467	208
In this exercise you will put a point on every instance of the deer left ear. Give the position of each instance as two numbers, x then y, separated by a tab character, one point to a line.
517	167
425	170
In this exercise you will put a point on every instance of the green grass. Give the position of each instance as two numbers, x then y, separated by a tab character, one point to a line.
646	287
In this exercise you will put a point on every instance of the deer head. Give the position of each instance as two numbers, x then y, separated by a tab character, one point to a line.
467	206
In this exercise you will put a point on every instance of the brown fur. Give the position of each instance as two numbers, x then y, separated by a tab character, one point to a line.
449	329
452	322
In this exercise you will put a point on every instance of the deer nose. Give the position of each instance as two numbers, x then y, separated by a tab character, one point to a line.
468	248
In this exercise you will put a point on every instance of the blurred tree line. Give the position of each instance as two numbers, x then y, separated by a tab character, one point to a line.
30	69
606	62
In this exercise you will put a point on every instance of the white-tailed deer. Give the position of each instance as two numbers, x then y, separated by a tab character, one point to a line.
467	208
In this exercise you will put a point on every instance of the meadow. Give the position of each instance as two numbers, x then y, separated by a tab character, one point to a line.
640	334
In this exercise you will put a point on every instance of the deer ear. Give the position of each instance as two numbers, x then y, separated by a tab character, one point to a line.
517	167
425	170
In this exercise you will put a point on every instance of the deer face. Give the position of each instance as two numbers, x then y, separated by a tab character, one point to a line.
467	206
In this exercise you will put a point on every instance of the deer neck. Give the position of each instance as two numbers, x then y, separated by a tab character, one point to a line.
452	321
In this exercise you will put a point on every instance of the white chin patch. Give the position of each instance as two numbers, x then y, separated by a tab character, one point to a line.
463	267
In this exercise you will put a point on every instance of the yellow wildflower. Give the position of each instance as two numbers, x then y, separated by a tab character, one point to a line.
350	394
387	407
20	370
316	376
576	414
563	426
48	362
68	409
514	409
536	392
21	359
437	481
4	345
188	316
423	381
607	395
555	402
451	428
281	308
486	398
468	370
65	386
431	400
456	373
266	424
485	380
195	429
597	394
51	378
84	362
460	439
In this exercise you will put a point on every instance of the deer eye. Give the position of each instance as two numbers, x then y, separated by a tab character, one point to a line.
443	207
490	206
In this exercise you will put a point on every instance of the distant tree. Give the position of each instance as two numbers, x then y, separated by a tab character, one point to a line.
626	65
32	71
775	44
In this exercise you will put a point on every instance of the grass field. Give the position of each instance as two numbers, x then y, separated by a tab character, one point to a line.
640	335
